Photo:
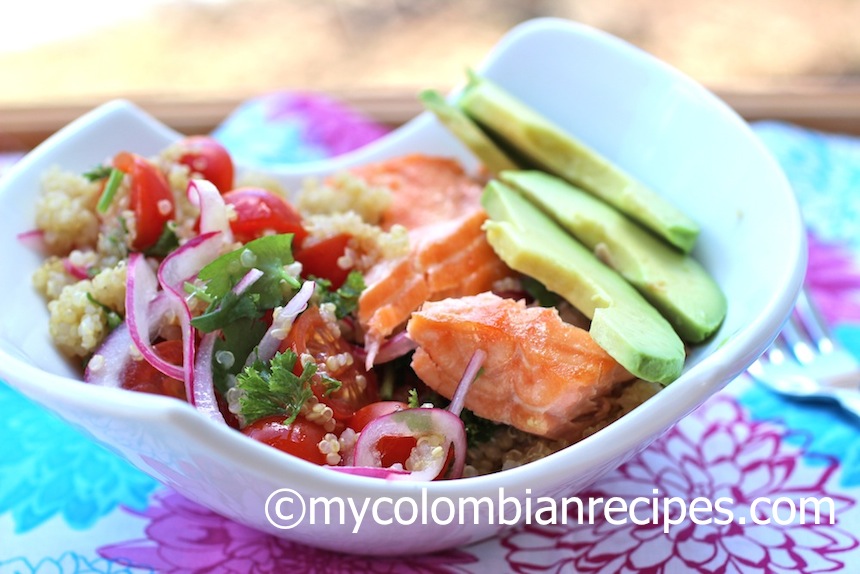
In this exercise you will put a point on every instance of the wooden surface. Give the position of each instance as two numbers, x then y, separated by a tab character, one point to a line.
831	107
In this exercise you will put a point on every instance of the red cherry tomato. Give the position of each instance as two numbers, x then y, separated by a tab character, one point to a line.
373	411
260	212
150	198
311	334
320	259
393	449
207	157
142	377
300	438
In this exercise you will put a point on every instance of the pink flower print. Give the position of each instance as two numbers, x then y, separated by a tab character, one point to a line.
833	276
185	538
715	454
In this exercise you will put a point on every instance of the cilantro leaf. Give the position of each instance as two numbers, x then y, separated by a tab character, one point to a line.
240	338
270	255
167	241
113	318
345	298
478	430
275	390
539	292
98	172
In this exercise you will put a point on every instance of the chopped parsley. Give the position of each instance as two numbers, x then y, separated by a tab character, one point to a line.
345	297
276	389
413	402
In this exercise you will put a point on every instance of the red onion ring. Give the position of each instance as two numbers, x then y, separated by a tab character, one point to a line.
113	356
282	322
213	211
372	471
33	239
75	271
469	376
144	311
203	386
403	423
394	348
251	277
180	266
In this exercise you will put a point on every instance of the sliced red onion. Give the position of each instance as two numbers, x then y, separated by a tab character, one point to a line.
33	239
469	376
186	261
75	271
213	211
107	364
145	310
249	279
406	423
180	266
373	471
202	384
282	322
394	348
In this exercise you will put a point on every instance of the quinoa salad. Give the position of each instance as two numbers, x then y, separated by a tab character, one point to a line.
370	322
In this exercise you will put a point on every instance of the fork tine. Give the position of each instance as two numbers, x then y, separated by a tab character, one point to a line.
798	340
778	352
812	321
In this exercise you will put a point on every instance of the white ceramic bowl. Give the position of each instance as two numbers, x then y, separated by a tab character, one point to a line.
647	117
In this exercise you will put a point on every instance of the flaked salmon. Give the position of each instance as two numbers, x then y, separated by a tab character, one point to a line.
540	375
425	189
449	259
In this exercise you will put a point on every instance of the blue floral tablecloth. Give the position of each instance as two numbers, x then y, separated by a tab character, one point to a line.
67	505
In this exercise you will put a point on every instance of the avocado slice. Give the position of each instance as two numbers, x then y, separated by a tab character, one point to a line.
513	122
675	283
622	322
468	132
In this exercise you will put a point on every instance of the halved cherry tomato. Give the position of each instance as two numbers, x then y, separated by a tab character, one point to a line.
207	157
320	259
300	438
142	377
373	411
260	212
393	449
150	198
311	334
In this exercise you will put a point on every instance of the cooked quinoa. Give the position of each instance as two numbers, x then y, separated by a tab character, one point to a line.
343	193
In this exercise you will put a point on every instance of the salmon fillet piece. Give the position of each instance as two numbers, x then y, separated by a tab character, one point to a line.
541	375
446	259
425	189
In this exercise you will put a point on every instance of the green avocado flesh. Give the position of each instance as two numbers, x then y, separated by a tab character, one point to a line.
522	128
468	132
623	323
675	283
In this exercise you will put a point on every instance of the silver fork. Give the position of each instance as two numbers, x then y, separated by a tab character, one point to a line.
806	362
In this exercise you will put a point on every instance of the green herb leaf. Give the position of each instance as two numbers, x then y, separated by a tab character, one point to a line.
478	430
539	292
111	187
98	172
345	298
114	319
276	389
413	402
167	241
270	255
